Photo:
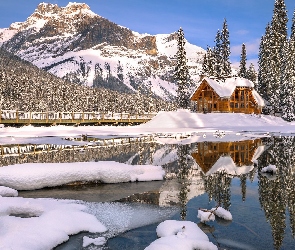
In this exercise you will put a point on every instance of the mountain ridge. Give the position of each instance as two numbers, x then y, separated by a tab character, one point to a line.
78	45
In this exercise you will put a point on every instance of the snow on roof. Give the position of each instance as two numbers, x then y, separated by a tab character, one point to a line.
226	88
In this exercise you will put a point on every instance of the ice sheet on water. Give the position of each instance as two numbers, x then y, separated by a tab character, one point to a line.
121	217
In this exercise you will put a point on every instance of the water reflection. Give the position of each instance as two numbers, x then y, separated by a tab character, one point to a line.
277	195
215	169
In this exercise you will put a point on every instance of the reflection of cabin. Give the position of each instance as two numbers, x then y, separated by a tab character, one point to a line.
231	95
242	153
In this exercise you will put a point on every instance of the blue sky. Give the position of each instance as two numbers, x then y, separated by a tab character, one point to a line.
200	19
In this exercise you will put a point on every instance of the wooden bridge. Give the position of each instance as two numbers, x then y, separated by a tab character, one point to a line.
16	117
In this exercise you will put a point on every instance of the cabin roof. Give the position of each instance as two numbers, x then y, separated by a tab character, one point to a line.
225	88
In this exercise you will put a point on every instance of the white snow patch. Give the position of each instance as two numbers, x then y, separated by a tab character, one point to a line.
99	241
8	192
31	176
42	223
180	235
269	169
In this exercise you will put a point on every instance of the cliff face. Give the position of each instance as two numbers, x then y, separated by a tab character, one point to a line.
74	43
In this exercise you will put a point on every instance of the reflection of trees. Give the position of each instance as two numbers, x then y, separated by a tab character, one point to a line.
277	194
217	187
183	173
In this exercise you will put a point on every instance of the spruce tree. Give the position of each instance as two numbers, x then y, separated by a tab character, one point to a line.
288	83
208	63
225	51
251	74
243	61
217	56
263	61
273	56
181	74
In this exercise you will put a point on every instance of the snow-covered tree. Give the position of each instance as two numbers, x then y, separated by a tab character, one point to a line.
225	51
271	56
208	63
263	67
181	74
221	53
243	62
217	56
288	82
251	73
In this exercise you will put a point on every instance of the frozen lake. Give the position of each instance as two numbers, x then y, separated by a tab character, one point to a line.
198	175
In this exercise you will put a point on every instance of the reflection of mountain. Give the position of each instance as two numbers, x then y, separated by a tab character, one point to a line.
235	158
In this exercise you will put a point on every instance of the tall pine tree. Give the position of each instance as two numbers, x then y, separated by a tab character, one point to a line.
271	57
251	74
181	74
225	51
243	62
208	63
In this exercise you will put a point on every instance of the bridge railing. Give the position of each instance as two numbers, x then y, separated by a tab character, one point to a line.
48	117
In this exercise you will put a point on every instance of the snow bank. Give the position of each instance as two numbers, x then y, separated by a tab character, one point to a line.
42	223
206	216
269	169
95	241
182	235
31	176
181	121
222	213
7	192
186	119
209	215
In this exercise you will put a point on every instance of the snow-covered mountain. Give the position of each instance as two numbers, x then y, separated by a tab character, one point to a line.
74	43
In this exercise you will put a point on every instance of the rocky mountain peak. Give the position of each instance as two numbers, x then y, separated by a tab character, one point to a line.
47	13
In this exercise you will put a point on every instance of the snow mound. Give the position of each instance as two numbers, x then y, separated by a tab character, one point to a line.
7	192
182	235
186	119
47	223
269	169
31	176
209	215
95	241
206	216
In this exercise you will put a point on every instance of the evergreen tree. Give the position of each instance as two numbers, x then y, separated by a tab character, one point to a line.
293	27
243	61
181	74
288	83
225	51
217	56
208	63
271	56
251	74
263	67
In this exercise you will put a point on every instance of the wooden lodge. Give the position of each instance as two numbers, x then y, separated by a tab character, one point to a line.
234	95
242	153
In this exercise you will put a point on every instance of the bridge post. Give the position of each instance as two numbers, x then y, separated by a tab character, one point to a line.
16	114
73	116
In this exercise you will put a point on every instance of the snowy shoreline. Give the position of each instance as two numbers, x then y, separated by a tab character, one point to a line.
181	121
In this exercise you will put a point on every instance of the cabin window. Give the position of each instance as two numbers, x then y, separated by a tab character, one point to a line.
215	105
236	105
231	104
242	94
242	105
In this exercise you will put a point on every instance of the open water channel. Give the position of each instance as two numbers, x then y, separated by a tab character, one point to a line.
198	175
